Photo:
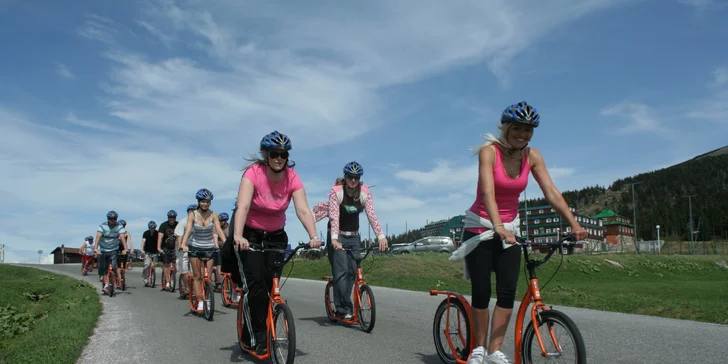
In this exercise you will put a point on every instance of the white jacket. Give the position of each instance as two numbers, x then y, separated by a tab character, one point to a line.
472	220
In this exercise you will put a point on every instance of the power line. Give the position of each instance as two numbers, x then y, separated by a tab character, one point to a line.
634	215
692	232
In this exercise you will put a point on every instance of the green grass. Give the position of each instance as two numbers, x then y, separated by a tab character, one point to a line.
683	287
44	317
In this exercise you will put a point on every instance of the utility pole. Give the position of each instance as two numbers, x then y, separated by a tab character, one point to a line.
634	215
692	234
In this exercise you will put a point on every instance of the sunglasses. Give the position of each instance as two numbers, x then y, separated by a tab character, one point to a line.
275	154
353	178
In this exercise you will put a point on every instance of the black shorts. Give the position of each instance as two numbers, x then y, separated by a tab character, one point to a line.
121	260
216	257
195	252
106	258
169	256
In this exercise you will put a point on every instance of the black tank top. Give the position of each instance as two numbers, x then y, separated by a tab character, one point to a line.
349	211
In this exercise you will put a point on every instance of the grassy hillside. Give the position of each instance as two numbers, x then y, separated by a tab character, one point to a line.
684	287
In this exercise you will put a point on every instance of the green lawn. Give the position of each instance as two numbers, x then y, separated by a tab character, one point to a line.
683	287
44	317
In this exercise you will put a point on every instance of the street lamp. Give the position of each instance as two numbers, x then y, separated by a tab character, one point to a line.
659	246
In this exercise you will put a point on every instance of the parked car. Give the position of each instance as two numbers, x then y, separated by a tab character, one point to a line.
440	244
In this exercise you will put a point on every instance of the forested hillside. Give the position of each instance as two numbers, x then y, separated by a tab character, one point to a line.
661	197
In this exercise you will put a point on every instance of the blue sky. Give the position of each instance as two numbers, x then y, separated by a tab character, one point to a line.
133	105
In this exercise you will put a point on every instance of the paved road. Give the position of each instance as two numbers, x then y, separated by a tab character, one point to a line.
148	325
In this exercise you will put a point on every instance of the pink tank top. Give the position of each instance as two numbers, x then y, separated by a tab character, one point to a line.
507	191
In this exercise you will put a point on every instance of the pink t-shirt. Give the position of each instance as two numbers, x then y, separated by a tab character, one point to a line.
270	200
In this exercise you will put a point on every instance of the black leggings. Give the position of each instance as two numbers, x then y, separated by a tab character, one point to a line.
258	269
489	256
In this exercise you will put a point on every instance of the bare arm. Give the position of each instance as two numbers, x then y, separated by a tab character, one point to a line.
220	232
550	192
129	243
304	212
96	244
160	234
188	228
122	238
245	196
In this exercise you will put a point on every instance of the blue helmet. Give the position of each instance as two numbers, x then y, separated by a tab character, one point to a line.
112	215
171	213
353	168
521	113
224	216
122	222
203	194
275	140
152	225
191	207
87	238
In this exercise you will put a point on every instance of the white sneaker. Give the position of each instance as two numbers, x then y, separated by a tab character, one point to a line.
497	357
476	357
200	306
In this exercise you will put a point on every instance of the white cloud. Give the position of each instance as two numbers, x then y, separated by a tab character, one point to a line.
232	72
399	203
71	118
714	109
696	2
720	76
442	175
640	119
312	67
99	28
63	71
157	33
701	4
132	176
715	106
